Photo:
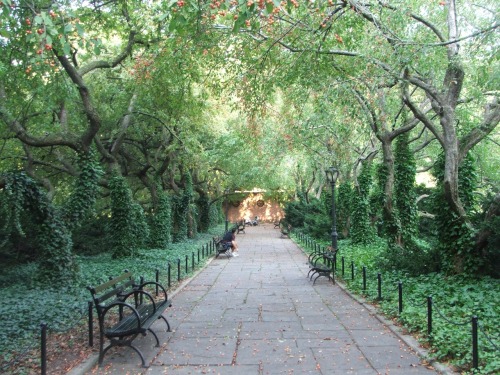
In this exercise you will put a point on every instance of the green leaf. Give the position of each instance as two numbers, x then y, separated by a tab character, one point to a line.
79	29
66	48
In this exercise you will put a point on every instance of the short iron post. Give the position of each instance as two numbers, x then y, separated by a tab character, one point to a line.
379	285
429	316
43	347
400	297
352	270
169	274
178	269
141	298
343	266
334	262
192	261
157	279
475	350
91	323
364	278
187	264
198	255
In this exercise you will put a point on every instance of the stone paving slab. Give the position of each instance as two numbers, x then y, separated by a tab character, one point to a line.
259	314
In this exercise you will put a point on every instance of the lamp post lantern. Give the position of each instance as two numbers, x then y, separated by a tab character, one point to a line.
332	174
226	192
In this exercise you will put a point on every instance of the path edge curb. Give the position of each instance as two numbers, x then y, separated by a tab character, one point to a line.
409	340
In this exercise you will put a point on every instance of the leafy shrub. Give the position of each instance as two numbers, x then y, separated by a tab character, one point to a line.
414	258
66	306
312	217
91	238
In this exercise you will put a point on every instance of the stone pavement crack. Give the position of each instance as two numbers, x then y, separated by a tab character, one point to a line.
238	342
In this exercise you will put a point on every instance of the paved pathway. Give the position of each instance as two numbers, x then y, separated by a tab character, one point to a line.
259	314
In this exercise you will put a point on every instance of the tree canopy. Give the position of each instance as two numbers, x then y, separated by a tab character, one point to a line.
166	97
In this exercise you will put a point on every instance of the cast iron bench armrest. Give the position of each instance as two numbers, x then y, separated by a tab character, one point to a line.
163	291
125	326
138	294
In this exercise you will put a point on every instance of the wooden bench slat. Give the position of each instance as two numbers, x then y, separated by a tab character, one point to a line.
110	283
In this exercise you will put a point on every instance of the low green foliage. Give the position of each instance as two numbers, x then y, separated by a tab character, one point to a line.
26	302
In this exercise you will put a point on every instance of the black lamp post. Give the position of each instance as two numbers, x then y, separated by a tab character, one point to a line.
332	174
227	208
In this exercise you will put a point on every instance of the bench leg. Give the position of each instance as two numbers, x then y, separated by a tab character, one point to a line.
321	274
166	321
128	343
156	337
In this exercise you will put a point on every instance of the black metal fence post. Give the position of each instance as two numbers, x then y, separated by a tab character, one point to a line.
178	269
352	270
379	285
343	266
400	297
141	298
475	349
169	274
198	255
91	323
429	316
43	347
157	279
187	264
192	261
333	267
364	278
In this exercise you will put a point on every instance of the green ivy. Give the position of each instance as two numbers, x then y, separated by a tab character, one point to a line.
456	237
404	188
204	207
161	222
181	205
343	206
128	229
362	231
56	260
85	191
390	227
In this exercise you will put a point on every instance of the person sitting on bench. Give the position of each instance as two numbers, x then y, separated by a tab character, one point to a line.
230	237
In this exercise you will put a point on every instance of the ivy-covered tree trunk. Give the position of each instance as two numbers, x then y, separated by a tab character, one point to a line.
181	209
404	188
344	208
456	236
85	190
161	222
56	260
204	208
127	229
361	228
